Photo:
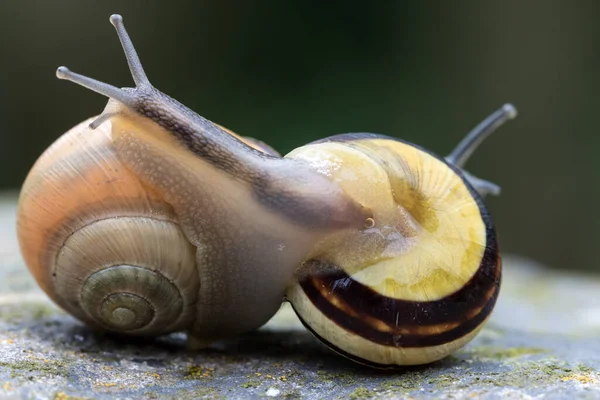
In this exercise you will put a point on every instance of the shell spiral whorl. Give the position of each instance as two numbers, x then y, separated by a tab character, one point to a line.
120	261
111	296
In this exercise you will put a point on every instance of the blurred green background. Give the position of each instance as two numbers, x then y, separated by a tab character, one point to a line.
289	72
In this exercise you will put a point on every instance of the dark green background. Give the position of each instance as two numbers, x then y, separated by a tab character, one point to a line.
289	72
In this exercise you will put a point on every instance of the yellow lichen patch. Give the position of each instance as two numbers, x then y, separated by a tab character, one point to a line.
581	378
501	353
106	384
64	396
199	372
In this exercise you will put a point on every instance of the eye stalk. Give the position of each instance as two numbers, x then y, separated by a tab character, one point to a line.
463	151
135	65
123	96
104	89
461	154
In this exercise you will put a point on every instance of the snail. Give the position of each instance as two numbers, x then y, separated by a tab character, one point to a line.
150	219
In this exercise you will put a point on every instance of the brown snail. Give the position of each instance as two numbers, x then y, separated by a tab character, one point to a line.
150	219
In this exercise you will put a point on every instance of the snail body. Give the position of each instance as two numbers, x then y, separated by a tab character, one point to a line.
150	219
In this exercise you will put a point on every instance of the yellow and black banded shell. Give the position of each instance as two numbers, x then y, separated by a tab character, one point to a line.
422	277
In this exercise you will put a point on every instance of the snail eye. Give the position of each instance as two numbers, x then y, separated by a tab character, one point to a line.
369	223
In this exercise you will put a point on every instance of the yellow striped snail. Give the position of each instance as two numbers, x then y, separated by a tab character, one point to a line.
150	219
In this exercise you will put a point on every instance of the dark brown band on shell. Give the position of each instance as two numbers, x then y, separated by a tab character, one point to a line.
344	353
467	308
402	323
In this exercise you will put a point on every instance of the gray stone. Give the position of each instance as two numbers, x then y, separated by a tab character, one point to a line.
540	342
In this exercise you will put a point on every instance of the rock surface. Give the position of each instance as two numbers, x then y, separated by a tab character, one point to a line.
541	342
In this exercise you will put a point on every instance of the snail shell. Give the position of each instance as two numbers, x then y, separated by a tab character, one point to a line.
83	224
104	246
421	279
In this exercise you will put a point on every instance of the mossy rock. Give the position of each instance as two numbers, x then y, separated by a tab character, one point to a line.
534	345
